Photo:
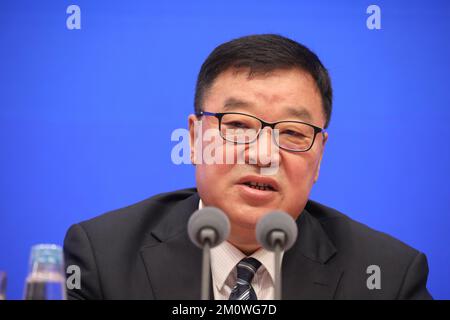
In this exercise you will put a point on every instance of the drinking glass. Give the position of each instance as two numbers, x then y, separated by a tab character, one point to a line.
46	278
2	285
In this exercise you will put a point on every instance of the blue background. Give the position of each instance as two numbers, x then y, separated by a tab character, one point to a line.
86	115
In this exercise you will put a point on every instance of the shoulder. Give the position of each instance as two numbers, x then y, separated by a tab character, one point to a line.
135	219
155	206
363	254
351	236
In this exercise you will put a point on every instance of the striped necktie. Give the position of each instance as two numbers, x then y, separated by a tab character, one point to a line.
243	290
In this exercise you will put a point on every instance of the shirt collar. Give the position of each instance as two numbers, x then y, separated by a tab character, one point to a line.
225	257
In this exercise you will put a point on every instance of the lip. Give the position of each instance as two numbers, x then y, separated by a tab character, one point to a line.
255	197
259	179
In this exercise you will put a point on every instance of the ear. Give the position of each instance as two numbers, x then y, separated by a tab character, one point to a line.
323	142
192	134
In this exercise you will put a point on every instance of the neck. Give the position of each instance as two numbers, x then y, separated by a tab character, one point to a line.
246	248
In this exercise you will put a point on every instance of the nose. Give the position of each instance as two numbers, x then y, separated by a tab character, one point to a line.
264	152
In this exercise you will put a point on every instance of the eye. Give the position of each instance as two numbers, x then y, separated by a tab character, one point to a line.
293	133
236	124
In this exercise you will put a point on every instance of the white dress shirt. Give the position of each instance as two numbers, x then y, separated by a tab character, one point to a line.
224	259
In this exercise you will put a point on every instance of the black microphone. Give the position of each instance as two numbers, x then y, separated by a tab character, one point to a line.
277	231
207	228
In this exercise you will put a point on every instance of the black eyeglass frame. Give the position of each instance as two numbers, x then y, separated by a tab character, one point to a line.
220	115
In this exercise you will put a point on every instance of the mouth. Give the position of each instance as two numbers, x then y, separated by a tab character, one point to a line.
259	183
259	186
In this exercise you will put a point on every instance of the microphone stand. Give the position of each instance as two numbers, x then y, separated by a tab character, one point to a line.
206	236
278	239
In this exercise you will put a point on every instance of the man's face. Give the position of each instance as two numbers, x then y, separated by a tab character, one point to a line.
280	95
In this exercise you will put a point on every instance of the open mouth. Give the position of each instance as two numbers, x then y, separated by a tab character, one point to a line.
259	186
263	186
258	190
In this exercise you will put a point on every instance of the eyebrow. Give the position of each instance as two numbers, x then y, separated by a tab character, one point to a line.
231	104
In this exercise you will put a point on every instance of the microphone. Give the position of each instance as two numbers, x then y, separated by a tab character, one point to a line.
274	228
207	228
277	231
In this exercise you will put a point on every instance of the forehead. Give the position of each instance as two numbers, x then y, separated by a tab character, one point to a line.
277	95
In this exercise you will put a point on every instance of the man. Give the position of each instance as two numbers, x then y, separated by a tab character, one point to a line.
269	100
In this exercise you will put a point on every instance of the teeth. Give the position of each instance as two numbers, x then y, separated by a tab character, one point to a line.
259	186
256	184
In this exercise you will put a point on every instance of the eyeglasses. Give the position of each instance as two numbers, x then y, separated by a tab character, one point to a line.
241	128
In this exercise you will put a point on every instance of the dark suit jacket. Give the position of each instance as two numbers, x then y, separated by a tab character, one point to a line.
143	252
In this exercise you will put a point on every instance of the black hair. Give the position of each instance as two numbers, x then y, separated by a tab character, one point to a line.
262	54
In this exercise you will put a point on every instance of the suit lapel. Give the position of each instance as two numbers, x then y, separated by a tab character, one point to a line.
173	263
306	274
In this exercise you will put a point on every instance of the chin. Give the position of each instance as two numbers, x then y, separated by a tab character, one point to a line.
247	217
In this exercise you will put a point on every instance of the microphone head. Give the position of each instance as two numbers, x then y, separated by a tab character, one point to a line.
208	218
276	221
